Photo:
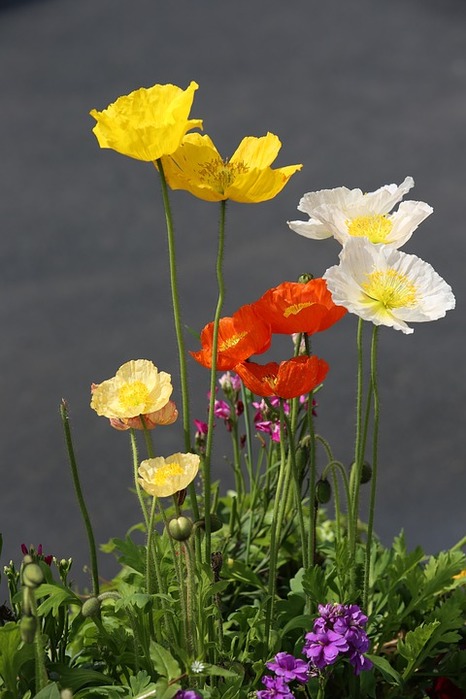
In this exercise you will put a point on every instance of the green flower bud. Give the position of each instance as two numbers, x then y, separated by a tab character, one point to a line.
27	628
305	278
180	528
323	491
215	523
32	575
366	472
91	607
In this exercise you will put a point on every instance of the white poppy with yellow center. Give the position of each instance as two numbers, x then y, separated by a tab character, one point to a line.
350	213
387	287
138	388
163	477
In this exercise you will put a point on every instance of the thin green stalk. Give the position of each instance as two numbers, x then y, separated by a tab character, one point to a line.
355	478
135	455
210	422
80	497
178	327
375	444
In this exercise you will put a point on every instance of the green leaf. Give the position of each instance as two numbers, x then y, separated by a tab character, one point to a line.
51	691
141	683
58	596
164	663
75	678
386	670
215	670
414	644
12	656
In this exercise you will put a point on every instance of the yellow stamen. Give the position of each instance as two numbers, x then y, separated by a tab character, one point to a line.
219	174
167	472
391	288
231	341
376	227
297	308
133	394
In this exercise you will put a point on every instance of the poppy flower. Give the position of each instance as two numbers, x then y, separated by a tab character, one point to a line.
387	286
148	123
239	337
138	388
444	688
289	379
163	477
246	177
293	307
346	213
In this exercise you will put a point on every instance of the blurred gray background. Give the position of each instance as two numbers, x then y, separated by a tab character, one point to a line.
362	92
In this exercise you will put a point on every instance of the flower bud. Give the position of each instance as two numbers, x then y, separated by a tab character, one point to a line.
32	575
215	523
180	528
27	628
323	491
366	471
91	607
305	277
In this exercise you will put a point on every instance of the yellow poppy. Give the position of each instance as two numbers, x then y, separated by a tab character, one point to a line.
147	123
246	177
163	477
138	388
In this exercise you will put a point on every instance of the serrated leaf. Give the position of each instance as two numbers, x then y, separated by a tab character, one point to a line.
414	644
58	596
164	663
141	683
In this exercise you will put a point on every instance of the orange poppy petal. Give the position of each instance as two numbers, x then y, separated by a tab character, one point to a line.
289	379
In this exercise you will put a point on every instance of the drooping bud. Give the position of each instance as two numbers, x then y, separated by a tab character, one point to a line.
366	471
32	575
323	491
215	523
91	607
180	528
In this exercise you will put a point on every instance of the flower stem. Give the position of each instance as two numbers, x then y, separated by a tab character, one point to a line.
178	327
375	442
134	452
210	423
80	497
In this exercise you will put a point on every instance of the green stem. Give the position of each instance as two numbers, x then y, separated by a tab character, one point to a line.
375	443
176	307
80	497
355	477
210	423
135	455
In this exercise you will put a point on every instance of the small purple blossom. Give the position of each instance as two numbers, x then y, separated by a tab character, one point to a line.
222	409
289	668
187	694
324	647
230	383
338	630
276	688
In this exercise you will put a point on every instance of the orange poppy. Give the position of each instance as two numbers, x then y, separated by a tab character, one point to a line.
239	337
288	379
293	307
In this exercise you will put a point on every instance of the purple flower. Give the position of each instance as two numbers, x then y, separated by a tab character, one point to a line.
289	668
276	688
324	647
230	383
187	694
222	409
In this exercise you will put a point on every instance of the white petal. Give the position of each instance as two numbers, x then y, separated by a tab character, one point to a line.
310	229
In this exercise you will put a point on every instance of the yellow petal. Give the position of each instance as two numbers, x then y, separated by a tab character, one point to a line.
257	152
147	123
256	186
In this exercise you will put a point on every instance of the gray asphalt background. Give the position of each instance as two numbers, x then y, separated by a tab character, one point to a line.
362	92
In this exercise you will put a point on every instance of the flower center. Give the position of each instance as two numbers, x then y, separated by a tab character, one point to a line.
132	395
296	308
231	341
219	174
376	227
167	472
391	288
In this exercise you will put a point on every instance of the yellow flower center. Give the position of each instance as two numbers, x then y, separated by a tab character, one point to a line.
231	341
166	472
296	308
219	174
131	395
391	288
376	227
